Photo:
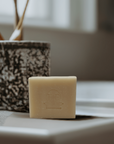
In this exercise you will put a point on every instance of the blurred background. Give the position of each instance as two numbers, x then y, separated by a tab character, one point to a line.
81	33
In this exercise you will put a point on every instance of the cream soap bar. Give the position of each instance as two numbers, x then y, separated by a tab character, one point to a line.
52	97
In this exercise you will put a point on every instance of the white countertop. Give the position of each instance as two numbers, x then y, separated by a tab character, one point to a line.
93	98
19	128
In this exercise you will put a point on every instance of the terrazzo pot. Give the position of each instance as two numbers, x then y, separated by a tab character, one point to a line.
20	60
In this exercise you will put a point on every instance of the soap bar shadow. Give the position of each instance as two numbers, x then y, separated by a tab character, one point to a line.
26	115
77	118
20	115
84	117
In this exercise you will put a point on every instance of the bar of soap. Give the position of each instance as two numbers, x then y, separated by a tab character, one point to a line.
52	97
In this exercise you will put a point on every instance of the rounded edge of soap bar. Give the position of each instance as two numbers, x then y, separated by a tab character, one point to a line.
51	77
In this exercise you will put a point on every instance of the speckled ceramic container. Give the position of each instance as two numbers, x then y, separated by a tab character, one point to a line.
20	60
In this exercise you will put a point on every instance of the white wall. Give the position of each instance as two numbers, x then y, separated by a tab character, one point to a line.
88	56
